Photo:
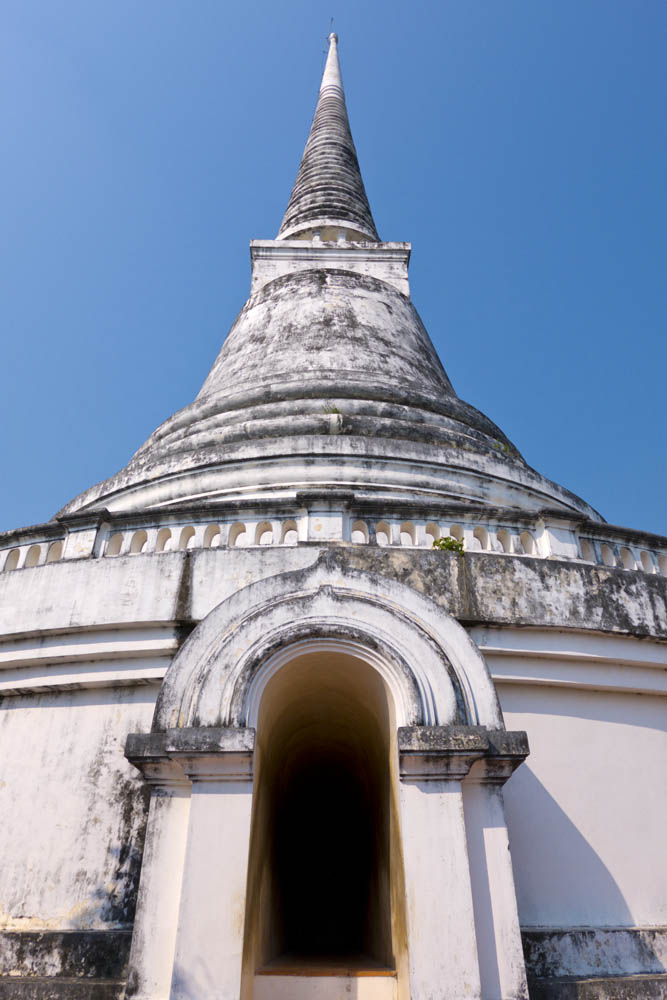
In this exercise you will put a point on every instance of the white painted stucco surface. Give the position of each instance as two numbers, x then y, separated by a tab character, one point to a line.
587	812
69	801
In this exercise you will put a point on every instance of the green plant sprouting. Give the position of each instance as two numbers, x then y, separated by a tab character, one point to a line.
503	446
449	544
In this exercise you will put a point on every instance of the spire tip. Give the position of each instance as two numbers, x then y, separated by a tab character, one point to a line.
328	193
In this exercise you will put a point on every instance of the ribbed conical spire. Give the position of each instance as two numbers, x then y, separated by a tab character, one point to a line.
328	191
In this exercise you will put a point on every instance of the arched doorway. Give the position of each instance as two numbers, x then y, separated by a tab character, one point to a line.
325	888
346	659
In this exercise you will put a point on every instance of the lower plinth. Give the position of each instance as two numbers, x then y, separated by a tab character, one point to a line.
293	978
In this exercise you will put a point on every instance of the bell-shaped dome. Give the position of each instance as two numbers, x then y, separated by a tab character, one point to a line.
333	328
327	378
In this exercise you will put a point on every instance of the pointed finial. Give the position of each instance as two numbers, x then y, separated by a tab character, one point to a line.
331	76
328	193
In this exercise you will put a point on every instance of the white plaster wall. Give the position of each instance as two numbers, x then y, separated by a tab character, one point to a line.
71	808
587	812
133	591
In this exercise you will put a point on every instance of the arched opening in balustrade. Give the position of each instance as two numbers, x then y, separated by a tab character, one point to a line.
12	560
55	552
505	539
32	557
408	533
114	545
164	540
290	535
359	533
647	562
456	531
608	557
587	551
432	533
264	533
481	535
187	539
138	543
325	877
527	543
383	533
238	536
627	559
212	536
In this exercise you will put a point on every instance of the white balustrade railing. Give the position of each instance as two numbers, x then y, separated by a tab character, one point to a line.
546	540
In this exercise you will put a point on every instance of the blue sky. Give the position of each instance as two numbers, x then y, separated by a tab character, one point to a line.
519	145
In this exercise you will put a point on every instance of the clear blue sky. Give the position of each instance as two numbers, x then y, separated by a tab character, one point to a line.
520	145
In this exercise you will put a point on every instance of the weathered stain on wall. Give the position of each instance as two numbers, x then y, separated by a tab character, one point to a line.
73	810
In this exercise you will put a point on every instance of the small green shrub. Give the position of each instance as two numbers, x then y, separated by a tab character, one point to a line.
449	544
330	408
503	446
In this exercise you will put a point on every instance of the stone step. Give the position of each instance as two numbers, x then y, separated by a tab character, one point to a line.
293	977
58	988
651	986
331	987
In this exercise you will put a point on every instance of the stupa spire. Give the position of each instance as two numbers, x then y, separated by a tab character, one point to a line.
328	379
328	194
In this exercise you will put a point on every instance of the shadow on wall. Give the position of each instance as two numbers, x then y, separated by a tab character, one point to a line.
545	841
553	861
647	712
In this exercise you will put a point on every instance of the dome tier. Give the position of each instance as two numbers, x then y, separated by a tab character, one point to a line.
328	378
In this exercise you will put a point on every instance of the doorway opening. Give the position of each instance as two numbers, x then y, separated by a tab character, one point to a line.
325	883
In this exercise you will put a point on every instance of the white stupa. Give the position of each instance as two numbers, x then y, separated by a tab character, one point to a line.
266	691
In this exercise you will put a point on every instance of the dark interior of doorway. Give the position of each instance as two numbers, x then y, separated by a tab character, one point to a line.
325	858
325	786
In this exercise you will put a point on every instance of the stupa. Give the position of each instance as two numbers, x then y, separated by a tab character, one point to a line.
268	692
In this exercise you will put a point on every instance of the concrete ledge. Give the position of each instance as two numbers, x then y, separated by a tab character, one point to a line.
641	987
442	739
503	743
439	753
145	748
432	753
592	952
101	954
50	988
210	739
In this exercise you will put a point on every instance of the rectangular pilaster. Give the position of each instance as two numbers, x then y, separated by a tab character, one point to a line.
209	942
441	927
154	936
502	966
